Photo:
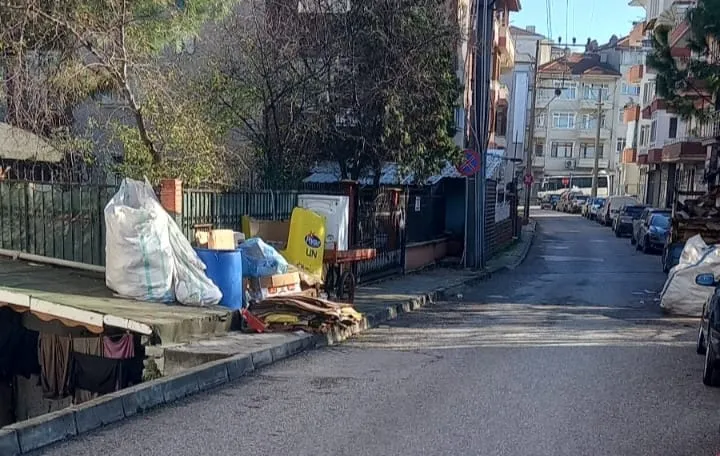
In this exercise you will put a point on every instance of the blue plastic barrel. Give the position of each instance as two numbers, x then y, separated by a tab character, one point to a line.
224	267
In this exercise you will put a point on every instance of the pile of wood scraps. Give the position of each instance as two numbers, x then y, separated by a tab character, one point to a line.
698	216
301	312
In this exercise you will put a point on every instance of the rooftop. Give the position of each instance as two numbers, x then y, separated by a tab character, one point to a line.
579	64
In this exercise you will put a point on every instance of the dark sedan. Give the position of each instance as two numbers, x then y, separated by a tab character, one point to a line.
653	233
623	224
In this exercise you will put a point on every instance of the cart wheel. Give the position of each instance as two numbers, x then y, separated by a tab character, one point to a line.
330	279
346	287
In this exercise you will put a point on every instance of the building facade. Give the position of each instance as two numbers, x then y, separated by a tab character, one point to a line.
575	96
669	149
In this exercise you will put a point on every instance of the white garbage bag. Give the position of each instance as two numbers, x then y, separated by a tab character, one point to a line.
147	255
681	295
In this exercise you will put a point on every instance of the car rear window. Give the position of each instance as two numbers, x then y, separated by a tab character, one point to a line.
633	210
660	221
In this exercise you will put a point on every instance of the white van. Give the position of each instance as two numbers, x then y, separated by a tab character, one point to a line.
612	208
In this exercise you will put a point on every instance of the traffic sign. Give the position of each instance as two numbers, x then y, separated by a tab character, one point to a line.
529	180
471	163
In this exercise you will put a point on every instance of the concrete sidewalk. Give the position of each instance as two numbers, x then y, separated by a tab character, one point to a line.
203	365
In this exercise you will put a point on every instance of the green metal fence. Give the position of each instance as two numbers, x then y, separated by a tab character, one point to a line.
66	221
224	210
57	220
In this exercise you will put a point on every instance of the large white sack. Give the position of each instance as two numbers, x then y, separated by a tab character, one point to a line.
148	257
139	260
192	285
681	295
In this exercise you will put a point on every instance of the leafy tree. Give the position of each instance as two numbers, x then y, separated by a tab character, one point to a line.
682	82
110	45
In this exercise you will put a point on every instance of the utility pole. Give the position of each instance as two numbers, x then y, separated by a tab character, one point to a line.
596	163
531	145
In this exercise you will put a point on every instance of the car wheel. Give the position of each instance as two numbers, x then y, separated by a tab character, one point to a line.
646	245
700	347
709	368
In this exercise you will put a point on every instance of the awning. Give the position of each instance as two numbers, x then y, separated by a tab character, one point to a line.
70	316
19	144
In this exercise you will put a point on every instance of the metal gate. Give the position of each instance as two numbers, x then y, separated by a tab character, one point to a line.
380	224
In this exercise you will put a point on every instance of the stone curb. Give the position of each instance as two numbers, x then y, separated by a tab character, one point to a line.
30	435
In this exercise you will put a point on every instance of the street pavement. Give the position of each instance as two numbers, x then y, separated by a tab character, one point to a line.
568	354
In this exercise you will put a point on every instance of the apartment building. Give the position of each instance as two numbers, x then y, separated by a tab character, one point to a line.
627	55
575	93
669	150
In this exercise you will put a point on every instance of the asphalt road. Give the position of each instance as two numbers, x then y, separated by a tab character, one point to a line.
566	355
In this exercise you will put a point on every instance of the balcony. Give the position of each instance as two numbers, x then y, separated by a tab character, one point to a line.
503	95
710	132
635	74
629	155
631	114
683	150
507	49
642	159
658	104
538	162
654	156
590	163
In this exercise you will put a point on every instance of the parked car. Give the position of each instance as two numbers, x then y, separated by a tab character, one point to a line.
554	200
612	208
644	217
596	207
566	200
623	223
671	254
653	233
576	202
708	338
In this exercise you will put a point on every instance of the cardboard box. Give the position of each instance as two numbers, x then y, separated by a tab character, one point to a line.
274	285
222	240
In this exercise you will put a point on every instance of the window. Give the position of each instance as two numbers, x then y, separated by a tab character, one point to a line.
672	133
563	120
561	149
539	149
589	122
501	123
587	150
540	120
459	119
629	89
643	135
590	91
620	145
568	89
653	131
621	116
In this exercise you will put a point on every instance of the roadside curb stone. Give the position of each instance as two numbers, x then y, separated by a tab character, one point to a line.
30	435
45	429
99	412
9	443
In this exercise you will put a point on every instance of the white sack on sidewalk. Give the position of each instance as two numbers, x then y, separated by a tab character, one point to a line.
681	295
147	256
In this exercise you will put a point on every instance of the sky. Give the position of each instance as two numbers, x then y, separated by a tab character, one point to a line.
582	19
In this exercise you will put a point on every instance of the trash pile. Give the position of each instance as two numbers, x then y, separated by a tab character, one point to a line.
681	295
274	277
297	311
